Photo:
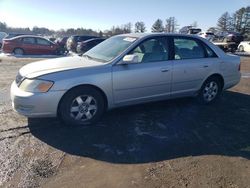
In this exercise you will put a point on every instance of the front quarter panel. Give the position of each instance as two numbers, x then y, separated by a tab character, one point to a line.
97	76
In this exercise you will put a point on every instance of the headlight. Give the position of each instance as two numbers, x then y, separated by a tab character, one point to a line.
36	86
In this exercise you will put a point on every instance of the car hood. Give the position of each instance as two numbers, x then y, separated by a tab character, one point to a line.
40	68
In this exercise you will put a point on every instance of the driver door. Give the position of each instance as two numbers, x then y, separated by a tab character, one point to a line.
148	79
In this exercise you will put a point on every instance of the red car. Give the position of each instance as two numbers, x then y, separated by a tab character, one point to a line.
29	44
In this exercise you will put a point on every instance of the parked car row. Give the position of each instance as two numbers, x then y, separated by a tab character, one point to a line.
20	44
228	41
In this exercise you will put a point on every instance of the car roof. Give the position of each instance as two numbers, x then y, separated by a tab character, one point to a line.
33	36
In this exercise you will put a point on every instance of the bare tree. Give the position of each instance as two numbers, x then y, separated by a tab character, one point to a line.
127	28
171	25
224	22
213	29
194	24
140	27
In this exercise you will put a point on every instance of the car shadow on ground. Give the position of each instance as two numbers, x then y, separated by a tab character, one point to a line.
157	131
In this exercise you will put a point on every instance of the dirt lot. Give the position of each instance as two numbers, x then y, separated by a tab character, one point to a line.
169	144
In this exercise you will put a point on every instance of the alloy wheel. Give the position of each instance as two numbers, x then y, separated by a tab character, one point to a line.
210	91
83	108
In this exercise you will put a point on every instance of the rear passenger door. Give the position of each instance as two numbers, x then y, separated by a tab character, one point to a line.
29	45
44	46
193	62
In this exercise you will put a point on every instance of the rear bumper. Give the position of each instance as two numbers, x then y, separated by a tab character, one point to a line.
8	50
35	104
232	81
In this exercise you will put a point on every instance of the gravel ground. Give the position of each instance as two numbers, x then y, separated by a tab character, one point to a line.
174	143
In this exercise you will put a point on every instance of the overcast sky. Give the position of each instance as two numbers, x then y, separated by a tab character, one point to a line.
103	14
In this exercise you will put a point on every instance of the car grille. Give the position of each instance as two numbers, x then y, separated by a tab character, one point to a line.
19	79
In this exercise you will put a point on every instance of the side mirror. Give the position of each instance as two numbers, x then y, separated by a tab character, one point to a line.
128	59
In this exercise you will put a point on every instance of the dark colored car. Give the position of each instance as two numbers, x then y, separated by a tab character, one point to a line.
73	41
62	41
29	44
86	45
234	37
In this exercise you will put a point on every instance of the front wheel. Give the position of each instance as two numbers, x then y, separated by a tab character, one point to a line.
81	106
210	91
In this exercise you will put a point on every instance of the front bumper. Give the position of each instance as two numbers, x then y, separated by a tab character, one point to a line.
35	104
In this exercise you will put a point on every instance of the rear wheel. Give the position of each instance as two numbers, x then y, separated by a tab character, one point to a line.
82	106
210	91
18	51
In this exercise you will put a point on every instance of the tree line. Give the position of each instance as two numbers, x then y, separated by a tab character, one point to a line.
238	22
139	27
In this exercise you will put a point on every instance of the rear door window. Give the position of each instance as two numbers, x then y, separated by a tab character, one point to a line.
29	40
186	48
43	42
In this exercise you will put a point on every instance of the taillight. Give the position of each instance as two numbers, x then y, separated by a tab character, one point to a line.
6	41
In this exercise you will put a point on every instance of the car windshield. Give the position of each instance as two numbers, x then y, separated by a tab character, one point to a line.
110	48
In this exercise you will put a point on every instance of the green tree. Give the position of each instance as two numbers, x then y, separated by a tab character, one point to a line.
158	26
224	22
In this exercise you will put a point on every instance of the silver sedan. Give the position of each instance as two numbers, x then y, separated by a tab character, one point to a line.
124	70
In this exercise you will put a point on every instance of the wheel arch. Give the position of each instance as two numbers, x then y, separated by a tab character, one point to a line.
84	86
216	75
13	51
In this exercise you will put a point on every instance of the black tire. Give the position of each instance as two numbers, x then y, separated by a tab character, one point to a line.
210	91
18	51
67	109
241	48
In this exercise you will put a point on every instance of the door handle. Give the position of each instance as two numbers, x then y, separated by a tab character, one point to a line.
205	66
164	70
